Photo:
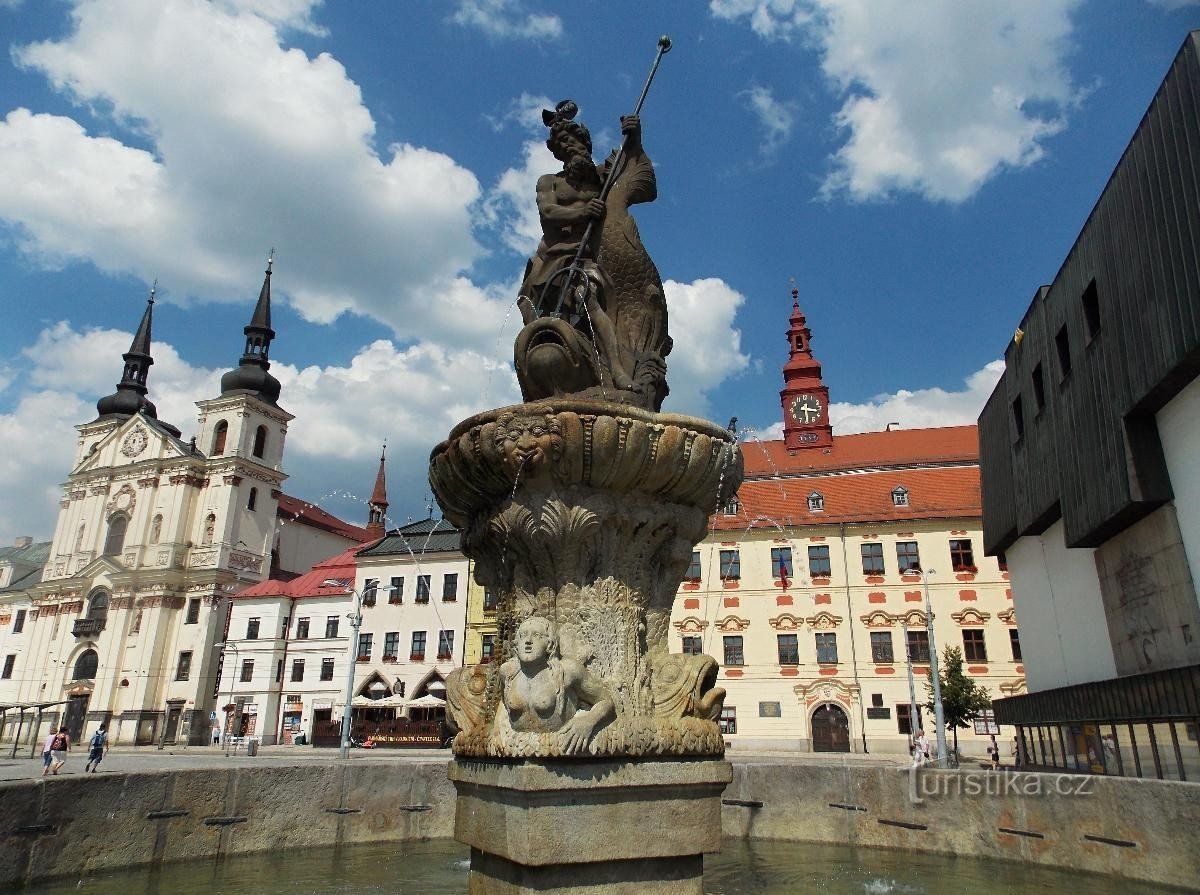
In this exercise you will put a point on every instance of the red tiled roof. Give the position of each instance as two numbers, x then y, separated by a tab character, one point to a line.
900	447
292	508
933	493
339	567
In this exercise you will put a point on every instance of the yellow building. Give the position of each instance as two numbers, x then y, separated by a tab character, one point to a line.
480	641
809	589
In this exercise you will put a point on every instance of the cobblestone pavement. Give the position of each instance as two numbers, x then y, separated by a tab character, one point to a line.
121	759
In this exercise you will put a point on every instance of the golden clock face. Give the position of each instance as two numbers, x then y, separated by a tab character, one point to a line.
806	408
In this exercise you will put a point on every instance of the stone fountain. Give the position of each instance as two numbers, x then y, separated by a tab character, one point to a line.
588	756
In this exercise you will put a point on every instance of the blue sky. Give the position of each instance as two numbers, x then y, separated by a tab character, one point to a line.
919	168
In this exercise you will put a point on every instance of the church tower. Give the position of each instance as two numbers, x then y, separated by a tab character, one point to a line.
805	398
377	507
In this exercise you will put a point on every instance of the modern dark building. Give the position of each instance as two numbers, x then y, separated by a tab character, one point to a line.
1090	450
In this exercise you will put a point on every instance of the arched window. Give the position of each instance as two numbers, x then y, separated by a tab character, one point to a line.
210	528
252	500
79	538
816	503
156	529
260	441
86	666
900	497
98	604
114	541
219	435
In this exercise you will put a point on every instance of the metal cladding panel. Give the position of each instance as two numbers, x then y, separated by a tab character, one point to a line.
1095	450
996	474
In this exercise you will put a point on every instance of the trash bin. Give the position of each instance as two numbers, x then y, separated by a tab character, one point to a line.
252	748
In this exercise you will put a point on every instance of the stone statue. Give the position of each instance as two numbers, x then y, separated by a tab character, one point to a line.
591	299
543	692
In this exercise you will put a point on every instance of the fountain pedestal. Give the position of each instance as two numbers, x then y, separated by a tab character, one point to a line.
569	827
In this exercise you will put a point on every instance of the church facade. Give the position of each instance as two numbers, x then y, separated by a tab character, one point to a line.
154	533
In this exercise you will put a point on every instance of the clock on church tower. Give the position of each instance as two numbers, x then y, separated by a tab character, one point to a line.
805	398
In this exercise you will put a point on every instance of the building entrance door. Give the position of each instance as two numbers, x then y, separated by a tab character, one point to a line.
830	729
172	732
75	716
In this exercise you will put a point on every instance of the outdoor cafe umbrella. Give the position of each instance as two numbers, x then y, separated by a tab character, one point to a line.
428	701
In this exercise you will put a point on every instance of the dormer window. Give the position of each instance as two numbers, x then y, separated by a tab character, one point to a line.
900	497
732	507
816	503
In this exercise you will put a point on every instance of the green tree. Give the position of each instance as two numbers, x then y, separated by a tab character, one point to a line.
962	698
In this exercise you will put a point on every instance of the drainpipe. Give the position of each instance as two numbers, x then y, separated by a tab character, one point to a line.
287	634
862	714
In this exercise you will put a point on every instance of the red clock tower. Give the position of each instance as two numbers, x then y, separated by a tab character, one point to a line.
804	397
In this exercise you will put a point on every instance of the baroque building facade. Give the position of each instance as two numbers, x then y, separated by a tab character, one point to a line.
154	532
811	589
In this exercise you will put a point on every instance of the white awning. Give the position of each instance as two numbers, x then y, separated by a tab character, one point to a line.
428	701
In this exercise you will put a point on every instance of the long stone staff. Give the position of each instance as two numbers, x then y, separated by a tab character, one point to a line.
664	47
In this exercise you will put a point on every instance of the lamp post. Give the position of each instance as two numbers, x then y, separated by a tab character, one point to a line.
914	713
229	711
939	715
352	656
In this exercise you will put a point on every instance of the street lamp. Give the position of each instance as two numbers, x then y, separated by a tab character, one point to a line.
352	655
913	712
939	716
225	734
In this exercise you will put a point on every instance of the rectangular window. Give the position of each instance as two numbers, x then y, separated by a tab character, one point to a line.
391	645
491	599
9	662
789	649
904	719
881	647
302	628
370	592
450	587
918	646
183	668
19	622
1062	344
489	647
327	669
252	629
279	672
1039	390
693	570
1014	643
827	648
193	611
297	669
781	562
962	555
331	626
731	565
692	646
422	588
417	654
247	670
728	720
818	562
1091	310
396	594
908	557
445	646
365	643
733	650
872	558
1018	416
974	649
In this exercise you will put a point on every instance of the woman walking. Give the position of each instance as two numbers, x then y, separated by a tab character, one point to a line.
59	747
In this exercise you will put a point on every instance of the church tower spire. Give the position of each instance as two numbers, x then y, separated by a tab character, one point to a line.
377	507
804	397
130	396
251	376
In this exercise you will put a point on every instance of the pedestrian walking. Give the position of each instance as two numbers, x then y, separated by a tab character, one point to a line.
923	745
60	745
96	749
993	751
46	756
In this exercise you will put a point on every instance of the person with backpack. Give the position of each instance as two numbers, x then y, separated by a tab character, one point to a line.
47	757
96	749
59	747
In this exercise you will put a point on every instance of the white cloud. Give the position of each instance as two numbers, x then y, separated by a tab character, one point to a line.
920	409
774	117
939	97
508	19
259	145
711	352
511	205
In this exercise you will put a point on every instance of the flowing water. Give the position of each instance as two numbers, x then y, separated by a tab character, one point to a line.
753	867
